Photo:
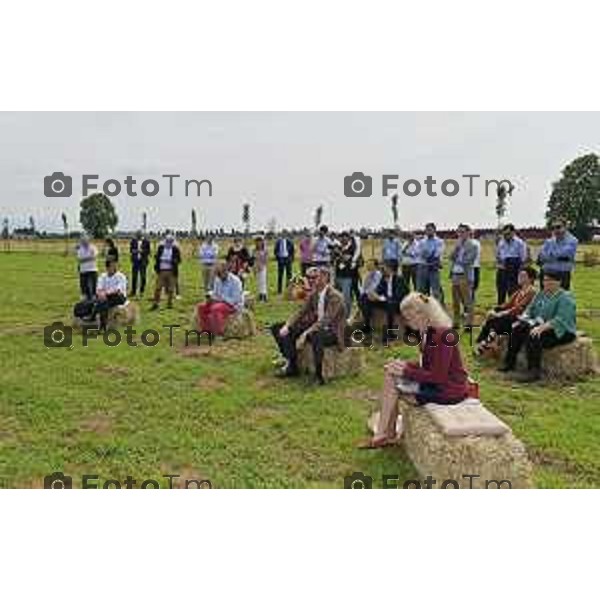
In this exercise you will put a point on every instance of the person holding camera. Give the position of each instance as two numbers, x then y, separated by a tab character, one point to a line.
88	271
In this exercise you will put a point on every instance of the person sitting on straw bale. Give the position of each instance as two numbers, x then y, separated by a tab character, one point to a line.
549	321
440	377
225	300
111	291
320	322
500	320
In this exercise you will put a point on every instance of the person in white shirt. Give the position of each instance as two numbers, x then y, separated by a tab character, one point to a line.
111	291
88	271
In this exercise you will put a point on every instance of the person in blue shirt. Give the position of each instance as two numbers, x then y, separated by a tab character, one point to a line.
511	256
558	254
429	256
409	260
392	251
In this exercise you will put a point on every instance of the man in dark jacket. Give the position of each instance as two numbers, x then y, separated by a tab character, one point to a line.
166	267
284	255
387	296
139	251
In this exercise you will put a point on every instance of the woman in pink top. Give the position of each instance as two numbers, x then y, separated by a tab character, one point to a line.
440	377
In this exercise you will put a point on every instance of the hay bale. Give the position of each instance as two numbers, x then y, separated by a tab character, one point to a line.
240	325
336	363
563	363
249	301
444	457
125	314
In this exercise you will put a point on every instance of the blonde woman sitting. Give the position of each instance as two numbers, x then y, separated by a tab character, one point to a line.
440	376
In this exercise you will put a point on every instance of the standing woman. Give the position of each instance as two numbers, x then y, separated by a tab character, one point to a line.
111	252
261	261
306	253
440	377
88	270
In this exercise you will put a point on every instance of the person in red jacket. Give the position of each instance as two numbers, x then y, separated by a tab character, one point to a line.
440	376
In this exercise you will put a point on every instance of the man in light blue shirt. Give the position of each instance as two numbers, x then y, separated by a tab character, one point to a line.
558	254
391	253
429	256
511	255
227	288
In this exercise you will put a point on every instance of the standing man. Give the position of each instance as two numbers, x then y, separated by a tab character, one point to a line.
284	255
409	260
462	275
322	248
345	269
166	267
476	265
430	252
139	251
511	255
558	254
86	264
391	253
208	253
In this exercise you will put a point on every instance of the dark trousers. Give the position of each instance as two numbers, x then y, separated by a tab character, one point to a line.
87	284
319	340
355	289
89	309
409	272
283	265
534	346
138	271
367	307
501	325
506	283
565	280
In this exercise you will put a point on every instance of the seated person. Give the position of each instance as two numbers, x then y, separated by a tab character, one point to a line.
111	291
500	320
370	281
225	299
547	322
320	322
388	294
440	377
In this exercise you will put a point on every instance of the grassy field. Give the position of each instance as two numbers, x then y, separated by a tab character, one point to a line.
219	413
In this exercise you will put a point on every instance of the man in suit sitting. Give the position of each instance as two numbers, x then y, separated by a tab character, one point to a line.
320	322
284	255
387	297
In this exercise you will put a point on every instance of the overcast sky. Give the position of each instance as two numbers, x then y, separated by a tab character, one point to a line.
286	164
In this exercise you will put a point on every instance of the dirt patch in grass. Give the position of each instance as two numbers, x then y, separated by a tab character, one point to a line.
364	394
194	351
99	423
212	383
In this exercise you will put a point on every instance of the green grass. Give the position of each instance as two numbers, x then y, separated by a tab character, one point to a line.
221	415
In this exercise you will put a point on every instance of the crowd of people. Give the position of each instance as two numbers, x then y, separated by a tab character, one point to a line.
405	282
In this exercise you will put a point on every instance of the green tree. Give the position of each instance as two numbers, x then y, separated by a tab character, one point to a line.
97	215
576	196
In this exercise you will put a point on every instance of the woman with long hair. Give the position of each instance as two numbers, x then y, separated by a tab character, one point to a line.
440	376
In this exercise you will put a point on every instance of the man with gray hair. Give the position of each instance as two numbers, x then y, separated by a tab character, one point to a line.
320	322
